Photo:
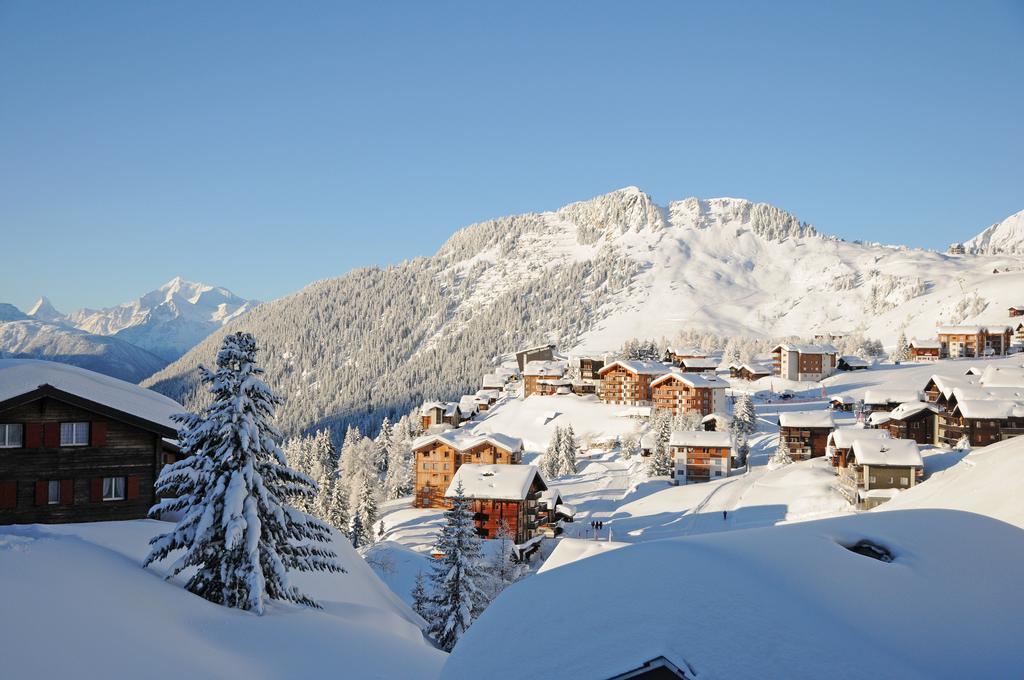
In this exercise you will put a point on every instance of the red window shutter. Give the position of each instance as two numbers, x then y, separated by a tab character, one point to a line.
96	489
8	494
33	435
67	492
132	487
42	492
98	433
51	435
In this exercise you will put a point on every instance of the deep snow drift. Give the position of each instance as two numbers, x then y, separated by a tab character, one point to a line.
77	603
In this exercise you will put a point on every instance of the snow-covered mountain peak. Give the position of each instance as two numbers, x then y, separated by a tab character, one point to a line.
43	310
619	212
1006	237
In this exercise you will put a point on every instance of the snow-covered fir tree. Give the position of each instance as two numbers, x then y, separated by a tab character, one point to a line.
744	416
781	456
456	578
550	463
239	536
567	452
629	446
321	507
503	570
382	448
338	510
357	531
660	462
366	508
420	600
902	351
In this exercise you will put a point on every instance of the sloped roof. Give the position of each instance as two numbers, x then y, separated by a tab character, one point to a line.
462	440
497	482
925	344
887	452
822	348
996	409
912	408
691	379
637	367
890	396
700	363
544	368
851	360
806	419
700	438
22	377
1002	376
843	437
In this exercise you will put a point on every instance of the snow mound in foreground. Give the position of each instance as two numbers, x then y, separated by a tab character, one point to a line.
786	601
78	604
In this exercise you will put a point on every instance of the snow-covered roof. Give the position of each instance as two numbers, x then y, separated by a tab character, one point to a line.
700	438
691	379
996	409
493	381
851	360
21	376
468	403
633	620
887	452
879	417
498	482
912	408
980	392
637	367
700	363
758	368
843	399
890	396
823	348
843	437
461	440
550	497
717	417
544	368
806	419
947	383
1002	376
925	344
958	330
687	351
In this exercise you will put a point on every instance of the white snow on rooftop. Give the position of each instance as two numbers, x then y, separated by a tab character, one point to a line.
843	437
691	379
912	408
638	367
700	438
461	440
887	452
997	409
806	419
496	482
19	376
1002	376
891	396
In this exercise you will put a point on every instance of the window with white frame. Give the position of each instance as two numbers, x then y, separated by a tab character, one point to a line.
53	492
113	488
11	435
74	434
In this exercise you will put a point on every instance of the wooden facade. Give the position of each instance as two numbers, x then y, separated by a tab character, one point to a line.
520	515
673	394
628	384
696	464
110	475
974	341
924	353
804	362
438	459
920	427
805	442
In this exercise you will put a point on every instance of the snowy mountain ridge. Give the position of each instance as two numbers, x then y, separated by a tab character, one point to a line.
1006	237
589	276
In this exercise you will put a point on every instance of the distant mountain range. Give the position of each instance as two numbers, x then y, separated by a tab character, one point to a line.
590	276
130	341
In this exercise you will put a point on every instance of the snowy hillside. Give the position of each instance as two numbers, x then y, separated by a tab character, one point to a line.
157	629
590	276
1002	237
31	339
167	321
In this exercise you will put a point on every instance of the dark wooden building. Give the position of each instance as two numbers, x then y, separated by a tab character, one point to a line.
805	432
914	420
80	456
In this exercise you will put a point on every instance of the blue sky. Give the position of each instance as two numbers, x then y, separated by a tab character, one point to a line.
261	146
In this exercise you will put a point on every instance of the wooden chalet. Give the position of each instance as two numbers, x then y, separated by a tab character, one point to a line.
925	350
887	400
700	456
982	421
543	377
848	362
1017	310
552	511
1018	334
878	468
974	341
501	494
538	353
435	413
438	457
698	365
750	371
806	432
916	420
840	442
842	402
590	367
676	355
629	382
804	362
688	393
77	446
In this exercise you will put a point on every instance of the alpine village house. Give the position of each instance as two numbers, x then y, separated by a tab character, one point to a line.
77	446
439	456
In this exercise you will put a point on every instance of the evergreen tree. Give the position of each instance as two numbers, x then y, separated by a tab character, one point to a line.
781	455
401	475
660	462
902	351
380	530
324	496
420	601
456	578
337	514
366	508
744	416
629	446
356	531
742	449
549	464
382	448
567	452
237	531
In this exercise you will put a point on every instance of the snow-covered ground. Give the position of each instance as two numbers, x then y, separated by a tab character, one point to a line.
77	603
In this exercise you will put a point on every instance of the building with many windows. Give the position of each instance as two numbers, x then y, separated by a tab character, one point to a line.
439	456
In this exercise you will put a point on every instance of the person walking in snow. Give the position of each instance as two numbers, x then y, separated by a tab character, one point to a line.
725	515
